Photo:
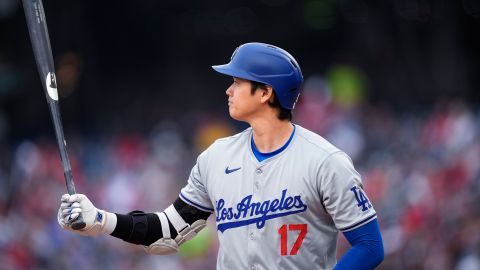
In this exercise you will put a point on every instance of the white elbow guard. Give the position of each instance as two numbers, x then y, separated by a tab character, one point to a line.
167	245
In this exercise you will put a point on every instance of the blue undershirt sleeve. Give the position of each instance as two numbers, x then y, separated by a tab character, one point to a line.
367	248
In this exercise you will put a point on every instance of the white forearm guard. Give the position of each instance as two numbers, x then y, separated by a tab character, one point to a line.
167	245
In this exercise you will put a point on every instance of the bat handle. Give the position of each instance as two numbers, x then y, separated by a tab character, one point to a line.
78	223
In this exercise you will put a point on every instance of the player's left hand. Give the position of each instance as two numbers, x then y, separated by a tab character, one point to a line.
72	206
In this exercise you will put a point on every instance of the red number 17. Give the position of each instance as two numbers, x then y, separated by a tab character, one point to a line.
283	237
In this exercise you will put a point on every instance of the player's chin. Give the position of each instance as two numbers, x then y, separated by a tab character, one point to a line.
234	114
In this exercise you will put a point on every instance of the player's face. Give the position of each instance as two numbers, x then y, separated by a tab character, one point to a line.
242	105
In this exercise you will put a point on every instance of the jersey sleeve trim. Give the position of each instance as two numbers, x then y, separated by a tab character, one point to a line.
188	201
363	221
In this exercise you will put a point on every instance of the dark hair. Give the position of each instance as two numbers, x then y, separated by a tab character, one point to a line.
283	114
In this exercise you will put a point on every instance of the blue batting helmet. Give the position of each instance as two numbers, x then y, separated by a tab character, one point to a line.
267	64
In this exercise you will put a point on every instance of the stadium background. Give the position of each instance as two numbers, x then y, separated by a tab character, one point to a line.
393	83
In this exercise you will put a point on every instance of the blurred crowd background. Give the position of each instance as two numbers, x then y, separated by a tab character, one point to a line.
392	83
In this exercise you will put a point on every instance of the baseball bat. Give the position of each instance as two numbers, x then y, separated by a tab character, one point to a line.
37	27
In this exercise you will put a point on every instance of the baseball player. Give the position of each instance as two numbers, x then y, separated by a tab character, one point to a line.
279	192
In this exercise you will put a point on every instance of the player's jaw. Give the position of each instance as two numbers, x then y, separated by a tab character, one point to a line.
242	105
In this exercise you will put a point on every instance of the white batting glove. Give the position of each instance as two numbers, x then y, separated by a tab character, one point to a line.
97	221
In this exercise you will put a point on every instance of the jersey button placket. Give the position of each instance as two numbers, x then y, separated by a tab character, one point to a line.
252	245
258	176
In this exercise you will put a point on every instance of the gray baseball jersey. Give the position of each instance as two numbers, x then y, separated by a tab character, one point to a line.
284	212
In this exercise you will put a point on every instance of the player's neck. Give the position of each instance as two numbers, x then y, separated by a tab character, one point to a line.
270	134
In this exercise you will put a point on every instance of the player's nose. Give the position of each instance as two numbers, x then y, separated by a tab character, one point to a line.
228	92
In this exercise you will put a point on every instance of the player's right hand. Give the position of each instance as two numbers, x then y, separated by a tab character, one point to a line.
71	206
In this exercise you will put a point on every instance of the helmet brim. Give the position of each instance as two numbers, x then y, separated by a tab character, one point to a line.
227	69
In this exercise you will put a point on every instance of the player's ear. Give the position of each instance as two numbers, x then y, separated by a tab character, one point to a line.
267	93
